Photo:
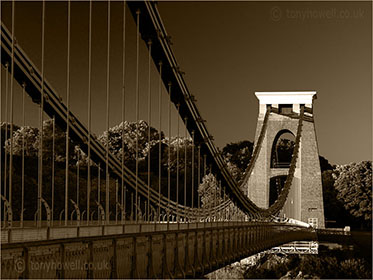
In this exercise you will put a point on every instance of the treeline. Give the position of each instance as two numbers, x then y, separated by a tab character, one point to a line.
347	189
331	264
121	140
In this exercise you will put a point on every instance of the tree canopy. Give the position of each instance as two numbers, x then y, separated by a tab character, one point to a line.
354	185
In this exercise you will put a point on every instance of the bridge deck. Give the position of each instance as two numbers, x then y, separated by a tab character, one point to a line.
175	253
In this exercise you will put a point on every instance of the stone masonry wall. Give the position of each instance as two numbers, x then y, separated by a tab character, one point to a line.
305	197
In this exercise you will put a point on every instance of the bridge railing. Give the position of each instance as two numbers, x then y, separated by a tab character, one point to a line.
16	235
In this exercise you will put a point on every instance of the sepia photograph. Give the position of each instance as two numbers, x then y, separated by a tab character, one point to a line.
186	139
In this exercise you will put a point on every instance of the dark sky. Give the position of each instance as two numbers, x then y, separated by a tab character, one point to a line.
228	50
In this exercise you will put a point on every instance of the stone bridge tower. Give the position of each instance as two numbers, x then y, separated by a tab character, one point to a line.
305	199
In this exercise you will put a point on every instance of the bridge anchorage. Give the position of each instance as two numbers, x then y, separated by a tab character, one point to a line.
138	213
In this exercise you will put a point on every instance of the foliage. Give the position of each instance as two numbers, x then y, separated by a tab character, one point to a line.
334	210
128	132
284	150
333	264
354	185
209	192
238	153
178	148
113	138
355	269
324	164
32	142
237	156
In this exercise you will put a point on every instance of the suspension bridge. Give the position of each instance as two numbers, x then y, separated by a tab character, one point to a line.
127	204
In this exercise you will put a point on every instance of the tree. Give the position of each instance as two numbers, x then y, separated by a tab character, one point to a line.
354	185
333	207
208	192
237	156
284	150
130	131
324	164
32	141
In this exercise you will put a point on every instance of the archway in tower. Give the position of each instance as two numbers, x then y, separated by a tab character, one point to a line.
282	149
